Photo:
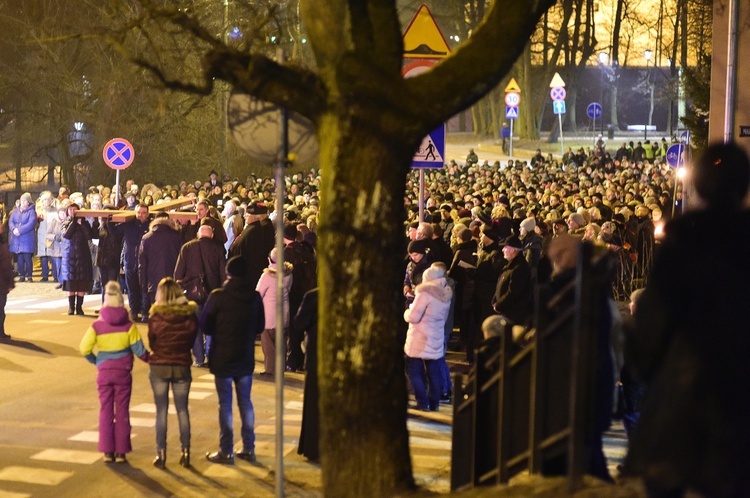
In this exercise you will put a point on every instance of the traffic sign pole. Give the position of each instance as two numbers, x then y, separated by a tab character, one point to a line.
562	138
510	150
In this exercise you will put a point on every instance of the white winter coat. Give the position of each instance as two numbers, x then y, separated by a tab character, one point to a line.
267	289
426	316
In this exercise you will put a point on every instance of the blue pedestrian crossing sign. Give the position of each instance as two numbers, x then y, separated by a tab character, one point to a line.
431	151
511	112
558	107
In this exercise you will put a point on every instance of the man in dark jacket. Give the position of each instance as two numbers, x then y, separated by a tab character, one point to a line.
190	232
691	346
6	280
512	298
233	316
201	257
132	232
255	242
157	257
490	263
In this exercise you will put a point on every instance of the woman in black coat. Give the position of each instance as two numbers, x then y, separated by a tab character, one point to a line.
76	272
306	320
110	249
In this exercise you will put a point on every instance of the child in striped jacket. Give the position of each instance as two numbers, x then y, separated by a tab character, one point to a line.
116	339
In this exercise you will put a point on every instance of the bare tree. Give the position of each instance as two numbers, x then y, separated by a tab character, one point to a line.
369	121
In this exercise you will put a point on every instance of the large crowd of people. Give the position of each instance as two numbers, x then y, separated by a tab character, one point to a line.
481	247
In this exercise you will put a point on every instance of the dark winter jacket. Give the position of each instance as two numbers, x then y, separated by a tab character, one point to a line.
254	244
202	257
6	269
157	256
463	271
132	232
172	329
490	264
512	297
691	348
233	316
76	256
305	274
110	245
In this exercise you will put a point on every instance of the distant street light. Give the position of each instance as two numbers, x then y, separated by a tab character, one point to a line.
647	55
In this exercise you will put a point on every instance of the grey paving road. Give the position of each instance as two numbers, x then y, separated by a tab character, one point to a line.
49	410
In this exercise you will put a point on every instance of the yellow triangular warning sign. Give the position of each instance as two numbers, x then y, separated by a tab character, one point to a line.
557	81
512	86
423	39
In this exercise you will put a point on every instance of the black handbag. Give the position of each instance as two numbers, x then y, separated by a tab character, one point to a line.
196	288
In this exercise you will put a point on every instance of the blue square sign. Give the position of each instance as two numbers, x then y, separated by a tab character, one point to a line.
431	151
559	107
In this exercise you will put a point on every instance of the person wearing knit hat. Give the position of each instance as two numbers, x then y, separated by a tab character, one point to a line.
418	246
233	316
117	339
532	244
113	295
267	289
576	224
527	225
425	337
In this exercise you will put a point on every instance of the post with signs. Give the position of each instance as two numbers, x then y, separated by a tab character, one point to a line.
118	154
512	100
558	94
425	44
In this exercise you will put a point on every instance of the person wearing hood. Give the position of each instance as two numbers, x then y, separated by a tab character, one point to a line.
172	329
22	225
233	316
267	289
425	337
116	339
157	257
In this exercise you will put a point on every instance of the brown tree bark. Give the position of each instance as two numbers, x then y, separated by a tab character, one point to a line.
369	121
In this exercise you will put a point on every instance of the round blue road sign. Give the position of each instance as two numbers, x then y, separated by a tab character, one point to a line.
675	155
118	153
594	110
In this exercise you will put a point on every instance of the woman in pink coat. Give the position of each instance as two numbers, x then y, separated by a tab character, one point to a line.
267	289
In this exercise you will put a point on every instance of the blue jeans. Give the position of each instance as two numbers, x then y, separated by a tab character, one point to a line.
427	396
25	267
243	385
180	390
56	262
44	263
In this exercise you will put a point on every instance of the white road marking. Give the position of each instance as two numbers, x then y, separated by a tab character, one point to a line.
64	455
33	475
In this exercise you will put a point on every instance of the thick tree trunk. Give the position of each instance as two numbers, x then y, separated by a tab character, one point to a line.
361	369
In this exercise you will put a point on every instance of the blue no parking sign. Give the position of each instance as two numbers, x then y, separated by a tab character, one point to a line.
118	153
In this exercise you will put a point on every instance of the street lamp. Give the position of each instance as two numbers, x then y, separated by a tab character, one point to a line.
647	55
603	58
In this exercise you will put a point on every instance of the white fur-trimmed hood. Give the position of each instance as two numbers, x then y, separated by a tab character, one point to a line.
437	288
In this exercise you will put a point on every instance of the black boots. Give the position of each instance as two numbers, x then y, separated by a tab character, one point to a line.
79	305
71	304
185	458
160	461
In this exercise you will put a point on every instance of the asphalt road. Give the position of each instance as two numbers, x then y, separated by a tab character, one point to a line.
49	416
